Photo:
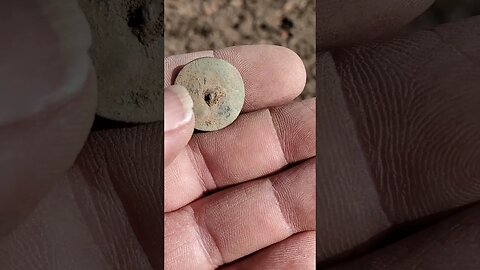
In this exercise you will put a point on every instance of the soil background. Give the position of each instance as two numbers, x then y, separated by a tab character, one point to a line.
203	25
213	24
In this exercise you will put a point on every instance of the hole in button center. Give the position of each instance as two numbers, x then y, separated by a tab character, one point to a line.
213	96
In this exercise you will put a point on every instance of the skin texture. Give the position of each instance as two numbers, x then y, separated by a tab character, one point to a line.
414	155
105	211
348	22
203	232
43	110
127	36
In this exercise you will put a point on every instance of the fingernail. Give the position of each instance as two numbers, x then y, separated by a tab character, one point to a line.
44	59
178	107
70	25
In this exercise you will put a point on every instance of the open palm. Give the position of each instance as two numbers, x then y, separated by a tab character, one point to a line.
232	192
398	148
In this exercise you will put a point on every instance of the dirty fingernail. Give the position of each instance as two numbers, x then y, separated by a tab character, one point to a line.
178	107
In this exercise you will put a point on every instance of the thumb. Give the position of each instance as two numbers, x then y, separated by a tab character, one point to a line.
178	123
47	100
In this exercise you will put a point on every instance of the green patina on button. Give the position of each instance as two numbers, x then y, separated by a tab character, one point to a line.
217	91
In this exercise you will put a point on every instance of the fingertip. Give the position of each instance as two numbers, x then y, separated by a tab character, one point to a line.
38	150
273	75
343	23
295	68
176	139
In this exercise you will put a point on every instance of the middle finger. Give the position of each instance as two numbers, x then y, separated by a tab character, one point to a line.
257	144
238	221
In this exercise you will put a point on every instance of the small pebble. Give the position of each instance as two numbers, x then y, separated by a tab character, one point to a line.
217	91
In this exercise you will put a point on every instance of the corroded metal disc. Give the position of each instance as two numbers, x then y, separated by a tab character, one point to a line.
217	91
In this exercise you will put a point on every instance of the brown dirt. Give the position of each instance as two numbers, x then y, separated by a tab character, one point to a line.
213	24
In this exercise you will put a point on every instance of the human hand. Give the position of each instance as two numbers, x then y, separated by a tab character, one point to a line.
106	212
250	186
102	208
398	139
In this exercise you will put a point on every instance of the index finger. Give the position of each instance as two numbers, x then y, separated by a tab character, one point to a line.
268	80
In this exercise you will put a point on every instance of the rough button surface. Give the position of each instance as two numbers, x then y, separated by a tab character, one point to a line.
217	91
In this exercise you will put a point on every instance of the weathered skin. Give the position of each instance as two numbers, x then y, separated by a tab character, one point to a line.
217	91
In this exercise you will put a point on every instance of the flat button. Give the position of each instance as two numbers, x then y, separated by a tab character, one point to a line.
217	91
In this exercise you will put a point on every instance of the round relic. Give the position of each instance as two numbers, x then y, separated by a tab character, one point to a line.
217	91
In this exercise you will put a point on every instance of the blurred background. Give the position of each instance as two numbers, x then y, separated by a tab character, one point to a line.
444	11
203	25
